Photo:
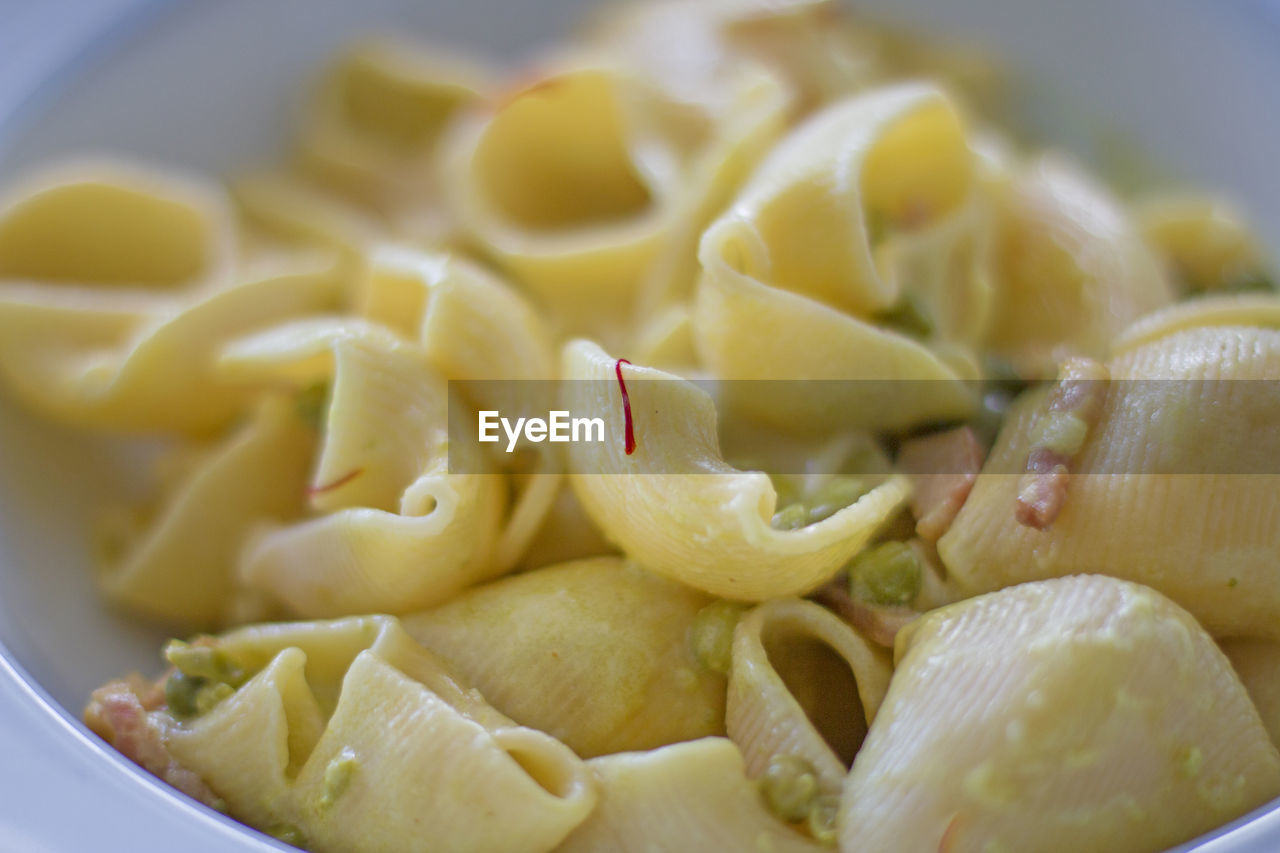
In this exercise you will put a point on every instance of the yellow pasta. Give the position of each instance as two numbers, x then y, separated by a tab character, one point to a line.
668	428
603	649
378	115
397	531
804	684
576	181
685	797
1205	241
710	529
1072	270
1086	713
421	749
803	274
182	567
1171	488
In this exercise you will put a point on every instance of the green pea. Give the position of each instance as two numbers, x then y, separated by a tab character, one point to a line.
712	634
337	776
888	574
180	695
789	786
835	494
310	404
207	662
208	696
822	819
791	517
1061	432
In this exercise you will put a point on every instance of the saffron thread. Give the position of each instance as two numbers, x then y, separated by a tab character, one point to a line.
630	432
312	491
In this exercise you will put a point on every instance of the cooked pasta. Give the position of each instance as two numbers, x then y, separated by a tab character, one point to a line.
723	433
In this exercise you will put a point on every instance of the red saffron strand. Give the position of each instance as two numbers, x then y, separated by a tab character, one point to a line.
312	491
630	442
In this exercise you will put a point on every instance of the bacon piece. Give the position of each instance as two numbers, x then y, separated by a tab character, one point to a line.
118	713
943	467
877	623
1078	396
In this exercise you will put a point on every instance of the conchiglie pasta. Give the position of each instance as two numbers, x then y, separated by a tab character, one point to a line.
285	211
577	181
1071	269
565	533
379	112
154	370
395	530
415	748
802	276
680	799
1074	714
1257	662
113	224
180	567
116	286
1206	242
457	310
602	650
676	507
1171	487
802	683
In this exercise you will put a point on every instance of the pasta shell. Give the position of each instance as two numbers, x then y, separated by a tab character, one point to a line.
378	114
181	569
603	651
1239	310
154	370
1205	241
1074	714
677	508
456	310
116	286
1158	493
796	272
802	683
682	798
1071	271
579	182
1257	662
397	532
115	225
422	750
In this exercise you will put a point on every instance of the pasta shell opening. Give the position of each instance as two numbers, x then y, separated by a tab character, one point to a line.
802	684
541	177
547	761
125	230
824	685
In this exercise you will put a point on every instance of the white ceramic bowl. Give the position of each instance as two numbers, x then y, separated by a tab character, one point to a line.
211	84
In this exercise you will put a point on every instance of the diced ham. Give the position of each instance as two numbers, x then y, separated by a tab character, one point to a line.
119	713
943	467
877	623
1079	393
